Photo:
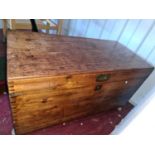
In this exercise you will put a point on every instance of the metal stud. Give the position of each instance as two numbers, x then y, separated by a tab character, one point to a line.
126	82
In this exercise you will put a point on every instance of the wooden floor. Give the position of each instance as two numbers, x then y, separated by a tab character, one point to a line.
99	124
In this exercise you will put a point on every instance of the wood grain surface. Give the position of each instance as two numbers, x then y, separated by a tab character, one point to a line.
35	54
52	79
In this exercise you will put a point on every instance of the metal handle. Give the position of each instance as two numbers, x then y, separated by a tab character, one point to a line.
102	77
16	94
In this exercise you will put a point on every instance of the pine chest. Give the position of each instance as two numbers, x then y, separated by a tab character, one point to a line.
52	79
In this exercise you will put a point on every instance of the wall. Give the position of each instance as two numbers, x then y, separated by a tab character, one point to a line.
140	120
138	35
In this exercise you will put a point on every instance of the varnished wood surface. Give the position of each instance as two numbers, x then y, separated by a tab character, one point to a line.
35	55
72	81
52	79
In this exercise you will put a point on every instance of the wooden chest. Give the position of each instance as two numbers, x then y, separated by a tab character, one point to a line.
52	79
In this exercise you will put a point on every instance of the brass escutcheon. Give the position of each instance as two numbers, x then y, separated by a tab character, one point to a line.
102	77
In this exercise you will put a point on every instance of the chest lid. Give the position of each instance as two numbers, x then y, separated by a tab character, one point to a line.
31	54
